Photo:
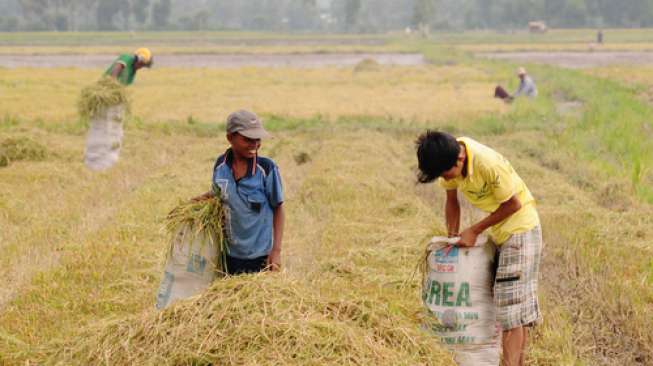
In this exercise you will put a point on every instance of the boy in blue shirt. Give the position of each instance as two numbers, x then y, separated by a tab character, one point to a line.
250	187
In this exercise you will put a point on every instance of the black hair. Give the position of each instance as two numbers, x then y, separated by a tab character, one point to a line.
437	152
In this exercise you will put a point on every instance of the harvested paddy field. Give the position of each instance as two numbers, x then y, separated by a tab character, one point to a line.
82	252
209	95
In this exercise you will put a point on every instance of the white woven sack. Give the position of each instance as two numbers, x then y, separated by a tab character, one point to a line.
457	292
104	138
190	269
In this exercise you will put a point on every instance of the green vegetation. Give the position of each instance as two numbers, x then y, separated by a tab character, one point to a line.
221	38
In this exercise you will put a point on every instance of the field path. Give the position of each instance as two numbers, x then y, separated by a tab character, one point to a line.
575	60
308	60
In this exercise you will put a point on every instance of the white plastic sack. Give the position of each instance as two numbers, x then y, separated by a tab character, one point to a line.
476	354
190	269
457	292
104	138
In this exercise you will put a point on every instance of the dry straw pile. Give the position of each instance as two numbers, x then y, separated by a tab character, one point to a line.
20	148
264	319
95	98
367	64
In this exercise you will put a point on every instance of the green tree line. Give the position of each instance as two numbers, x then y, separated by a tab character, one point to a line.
317	15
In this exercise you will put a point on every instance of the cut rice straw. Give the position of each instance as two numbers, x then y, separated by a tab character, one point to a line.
201	219
23	148
105	93
262	319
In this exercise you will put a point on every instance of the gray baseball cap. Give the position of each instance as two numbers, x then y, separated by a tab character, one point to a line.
247	124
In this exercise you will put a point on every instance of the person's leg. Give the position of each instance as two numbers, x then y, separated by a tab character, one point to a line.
510	296
523	347
512	343
516	292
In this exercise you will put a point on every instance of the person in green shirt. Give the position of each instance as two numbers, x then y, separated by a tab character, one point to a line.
125	66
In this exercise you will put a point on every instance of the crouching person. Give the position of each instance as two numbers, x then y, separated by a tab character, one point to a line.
250	186
491	184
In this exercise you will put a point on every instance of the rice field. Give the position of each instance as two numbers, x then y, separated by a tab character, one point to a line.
82	253
639	78
636	76
208	94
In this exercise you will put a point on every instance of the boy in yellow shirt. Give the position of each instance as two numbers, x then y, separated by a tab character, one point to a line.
490	183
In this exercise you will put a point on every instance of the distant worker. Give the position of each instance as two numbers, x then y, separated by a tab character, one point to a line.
599	37
527	86
125	66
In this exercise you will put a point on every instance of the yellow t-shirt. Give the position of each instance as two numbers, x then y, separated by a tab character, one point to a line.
490	181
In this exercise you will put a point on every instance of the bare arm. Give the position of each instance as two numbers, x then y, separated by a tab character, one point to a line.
278	221
117	68
452	213
468	237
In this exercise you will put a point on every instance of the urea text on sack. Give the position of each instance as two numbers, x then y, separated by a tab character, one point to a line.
446	294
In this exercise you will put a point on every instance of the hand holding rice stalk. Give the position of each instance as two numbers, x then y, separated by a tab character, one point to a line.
200	219
105	93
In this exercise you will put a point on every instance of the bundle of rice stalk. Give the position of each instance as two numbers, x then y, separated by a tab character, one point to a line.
201	219
105	93
21	148
261	319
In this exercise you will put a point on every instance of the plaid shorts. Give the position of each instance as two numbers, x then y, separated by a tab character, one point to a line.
515	284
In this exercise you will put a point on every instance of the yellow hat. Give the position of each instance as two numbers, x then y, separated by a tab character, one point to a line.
521	71
144	55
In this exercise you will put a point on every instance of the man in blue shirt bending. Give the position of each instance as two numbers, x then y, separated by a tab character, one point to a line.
251	189
527	86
